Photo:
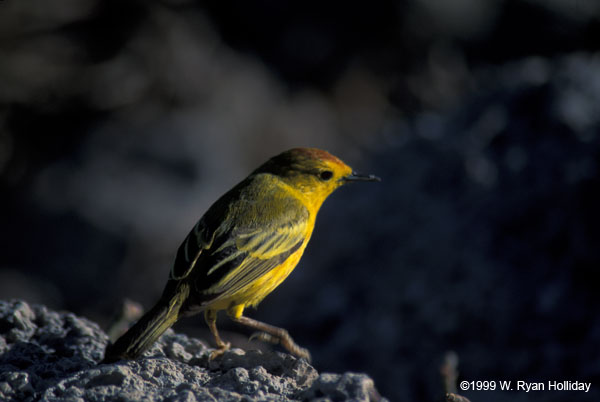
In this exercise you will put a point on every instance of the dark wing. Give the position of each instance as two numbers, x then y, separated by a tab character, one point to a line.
253	233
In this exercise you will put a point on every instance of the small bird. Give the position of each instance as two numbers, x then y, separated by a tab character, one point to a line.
243	247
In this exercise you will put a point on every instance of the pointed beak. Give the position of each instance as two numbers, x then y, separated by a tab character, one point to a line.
354	176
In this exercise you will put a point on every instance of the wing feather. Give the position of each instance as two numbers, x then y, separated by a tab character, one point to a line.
244	235
264	230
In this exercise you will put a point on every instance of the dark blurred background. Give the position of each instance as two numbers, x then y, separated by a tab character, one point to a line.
122	121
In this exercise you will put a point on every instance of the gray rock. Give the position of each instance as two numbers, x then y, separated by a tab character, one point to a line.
51	356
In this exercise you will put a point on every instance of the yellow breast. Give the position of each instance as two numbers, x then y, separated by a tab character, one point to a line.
257	290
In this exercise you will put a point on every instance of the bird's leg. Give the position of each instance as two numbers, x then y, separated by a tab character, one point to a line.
210	316
275	335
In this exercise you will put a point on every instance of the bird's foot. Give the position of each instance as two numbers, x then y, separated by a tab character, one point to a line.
219	351
285	340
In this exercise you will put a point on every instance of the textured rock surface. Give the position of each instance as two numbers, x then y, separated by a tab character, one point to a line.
52	356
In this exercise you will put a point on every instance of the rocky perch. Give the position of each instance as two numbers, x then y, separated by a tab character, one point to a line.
53	356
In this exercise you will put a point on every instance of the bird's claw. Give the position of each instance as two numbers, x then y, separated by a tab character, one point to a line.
288	344
221	349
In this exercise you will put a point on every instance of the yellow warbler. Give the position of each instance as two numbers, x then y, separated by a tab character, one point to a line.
243	247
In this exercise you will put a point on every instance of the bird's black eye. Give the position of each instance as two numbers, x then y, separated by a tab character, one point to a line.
326	175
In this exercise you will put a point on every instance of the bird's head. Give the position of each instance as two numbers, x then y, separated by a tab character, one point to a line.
314	172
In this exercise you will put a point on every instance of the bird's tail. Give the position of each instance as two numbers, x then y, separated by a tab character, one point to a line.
148	329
